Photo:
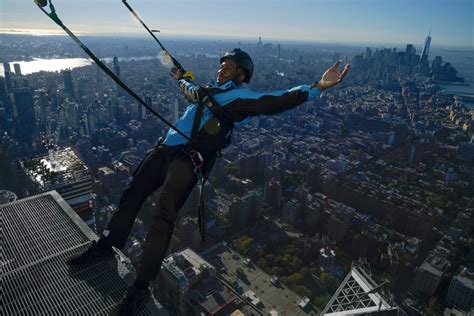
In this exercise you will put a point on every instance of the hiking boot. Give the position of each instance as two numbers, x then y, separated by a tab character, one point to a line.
94	253
131	303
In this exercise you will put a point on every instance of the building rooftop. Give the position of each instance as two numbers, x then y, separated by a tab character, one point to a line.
466	277
254	284
185	266
38	234
213	297
436	265
55	169
205	293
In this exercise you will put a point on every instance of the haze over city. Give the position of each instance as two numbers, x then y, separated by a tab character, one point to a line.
342	21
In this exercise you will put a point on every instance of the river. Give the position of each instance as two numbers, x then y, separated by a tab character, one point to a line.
58	64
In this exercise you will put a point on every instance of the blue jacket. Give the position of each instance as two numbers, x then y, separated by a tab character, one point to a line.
239	103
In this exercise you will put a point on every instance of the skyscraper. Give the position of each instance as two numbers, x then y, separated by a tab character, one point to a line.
3	89
426	49
26	114
6	67
72	114
119	91
368	53
8	82
68	85
82	87
17	69
409	53
5	99
91	121
144	111
116	66
41	103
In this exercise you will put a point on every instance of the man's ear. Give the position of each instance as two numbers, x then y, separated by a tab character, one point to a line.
240	75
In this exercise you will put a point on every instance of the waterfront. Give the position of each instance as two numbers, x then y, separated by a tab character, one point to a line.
58	64
463	61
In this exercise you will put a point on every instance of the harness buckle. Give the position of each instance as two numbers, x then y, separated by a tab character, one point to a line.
197	160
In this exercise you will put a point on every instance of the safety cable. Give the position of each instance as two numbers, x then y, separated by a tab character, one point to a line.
53	16
185	73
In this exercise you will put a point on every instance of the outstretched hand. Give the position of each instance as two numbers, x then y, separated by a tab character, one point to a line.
332	76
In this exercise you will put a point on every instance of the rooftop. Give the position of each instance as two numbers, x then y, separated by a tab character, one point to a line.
185	266
213	297
55	169
254	283
435	265
466	277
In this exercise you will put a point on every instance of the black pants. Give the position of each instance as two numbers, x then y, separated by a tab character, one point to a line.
172	170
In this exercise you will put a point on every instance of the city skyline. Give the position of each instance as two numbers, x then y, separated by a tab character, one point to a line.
366	21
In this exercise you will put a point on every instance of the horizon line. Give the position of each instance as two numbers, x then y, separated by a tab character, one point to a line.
227	37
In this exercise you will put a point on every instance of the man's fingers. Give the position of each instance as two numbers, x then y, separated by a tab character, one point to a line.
336	64
343	74
345	71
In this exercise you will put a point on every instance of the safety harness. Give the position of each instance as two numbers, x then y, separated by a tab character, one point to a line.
197	159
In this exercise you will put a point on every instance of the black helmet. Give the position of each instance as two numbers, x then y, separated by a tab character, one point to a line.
41	3
243	60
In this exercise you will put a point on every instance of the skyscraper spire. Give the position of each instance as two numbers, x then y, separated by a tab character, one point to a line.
426	49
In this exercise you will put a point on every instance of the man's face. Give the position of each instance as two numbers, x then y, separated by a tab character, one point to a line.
227	71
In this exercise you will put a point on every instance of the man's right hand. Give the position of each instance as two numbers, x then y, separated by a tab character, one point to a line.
176	73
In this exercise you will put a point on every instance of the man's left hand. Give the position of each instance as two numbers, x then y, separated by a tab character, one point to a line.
332	76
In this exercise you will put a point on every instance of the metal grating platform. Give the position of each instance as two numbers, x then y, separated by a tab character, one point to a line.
37	235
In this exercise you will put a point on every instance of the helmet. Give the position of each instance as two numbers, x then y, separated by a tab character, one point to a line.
41	3
242	59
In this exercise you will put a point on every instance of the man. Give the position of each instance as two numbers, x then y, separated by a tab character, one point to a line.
170	166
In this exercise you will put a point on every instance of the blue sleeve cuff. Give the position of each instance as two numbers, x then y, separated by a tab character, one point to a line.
313	93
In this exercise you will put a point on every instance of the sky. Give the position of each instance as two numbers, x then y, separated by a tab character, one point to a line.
336	21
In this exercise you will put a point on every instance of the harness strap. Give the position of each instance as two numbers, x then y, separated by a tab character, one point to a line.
196	158
201	208
197	122
198	163
218	111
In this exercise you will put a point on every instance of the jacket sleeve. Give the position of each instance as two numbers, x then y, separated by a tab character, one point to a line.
191	91
253	103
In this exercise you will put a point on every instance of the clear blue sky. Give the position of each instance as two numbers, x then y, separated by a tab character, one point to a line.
340	21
